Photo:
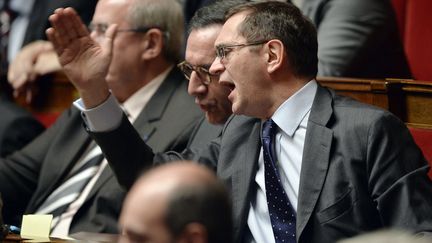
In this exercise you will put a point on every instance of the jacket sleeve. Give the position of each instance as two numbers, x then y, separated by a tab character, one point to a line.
398	180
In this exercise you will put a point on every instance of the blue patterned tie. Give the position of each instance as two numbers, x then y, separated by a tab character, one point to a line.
282	215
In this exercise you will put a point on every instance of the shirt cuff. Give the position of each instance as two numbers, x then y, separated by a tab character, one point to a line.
103	118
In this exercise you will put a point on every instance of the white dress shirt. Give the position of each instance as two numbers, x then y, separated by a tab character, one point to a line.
292	118
297	3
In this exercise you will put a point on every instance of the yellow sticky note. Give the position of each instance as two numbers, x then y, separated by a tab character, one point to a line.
36	226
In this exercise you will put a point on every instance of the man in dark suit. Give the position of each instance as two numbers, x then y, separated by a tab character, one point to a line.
209	95
17	127
334	167
143	78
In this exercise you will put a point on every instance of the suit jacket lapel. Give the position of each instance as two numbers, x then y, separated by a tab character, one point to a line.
144	123
315	157
243	178
76	142
155	108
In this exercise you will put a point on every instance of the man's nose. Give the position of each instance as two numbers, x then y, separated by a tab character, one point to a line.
196	86
217	67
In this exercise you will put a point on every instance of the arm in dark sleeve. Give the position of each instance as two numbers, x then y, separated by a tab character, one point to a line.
359	38
398	179
129	156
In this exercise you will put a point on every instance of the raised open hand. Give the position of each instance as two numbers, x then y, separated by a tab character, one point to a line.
85	61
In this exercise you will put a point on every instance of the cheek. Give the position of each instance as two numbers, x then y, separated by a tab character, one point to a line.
220	93
125	55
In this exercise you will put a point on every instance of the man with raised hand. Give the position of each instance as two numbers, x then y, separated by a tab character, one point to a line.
63	172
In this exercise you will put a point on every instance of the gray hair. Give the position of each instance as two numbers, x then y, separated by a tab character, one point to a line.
164	14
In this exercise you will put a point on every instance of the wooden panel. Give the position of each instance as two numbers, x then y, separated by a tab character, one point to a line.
54	94
370	91
410	100
413	99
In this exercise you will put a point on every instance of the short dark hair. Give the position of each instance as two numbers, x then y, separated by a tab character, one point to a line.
208	204
213	14
285	22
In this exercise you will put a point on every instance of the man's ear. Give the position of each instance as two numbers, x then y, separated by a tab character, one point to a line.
193	233
276	55
153	44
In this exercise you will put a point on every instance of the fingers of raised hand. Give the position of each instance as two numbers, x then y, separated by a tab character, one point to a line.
67	27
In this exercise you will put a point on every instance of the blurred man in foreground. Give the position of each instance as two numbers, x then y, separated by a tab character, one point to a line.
177	202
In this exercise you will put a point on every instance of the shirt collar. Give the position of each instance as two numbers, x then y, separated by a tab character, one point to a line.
290	114
135	104
297	3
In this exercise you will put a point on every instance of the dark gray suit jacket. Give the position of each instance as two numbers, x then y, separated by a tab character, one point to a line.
357	38
17	127
361	169
203	133
30	175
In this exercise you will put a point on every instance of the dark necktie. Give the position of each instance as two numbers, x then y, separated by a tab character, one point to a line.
7	15
282	215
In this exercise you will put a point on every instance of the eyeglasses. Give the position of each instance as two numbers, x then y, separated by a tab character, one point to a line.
223	50
101	28
202	72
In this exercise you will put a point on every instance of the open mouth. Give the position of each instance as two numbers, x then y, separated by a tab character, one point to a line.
231	87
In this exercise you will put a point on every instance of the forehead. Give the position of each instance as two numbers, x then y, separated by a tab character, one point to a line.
229	32
200	45
144	210
111	11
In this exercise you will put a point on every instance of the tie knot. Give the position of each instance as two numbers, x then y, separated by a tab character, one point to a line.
269	128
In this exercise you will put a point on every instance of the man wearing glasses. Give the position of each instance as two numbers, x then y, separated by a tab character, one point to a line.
63	172
209	95
307	165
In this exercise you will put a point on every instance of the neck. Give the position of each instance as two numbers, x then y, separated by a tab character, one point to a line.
282	90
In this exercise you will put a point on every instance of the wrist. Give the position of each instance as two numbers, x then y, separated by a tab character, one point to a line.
94	98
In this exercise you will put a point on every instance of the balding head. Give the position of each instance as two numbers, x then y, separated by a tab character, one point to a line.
177	201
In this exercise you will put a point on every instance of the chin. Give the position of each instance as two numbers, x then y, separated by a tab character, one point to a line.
214	119
236	110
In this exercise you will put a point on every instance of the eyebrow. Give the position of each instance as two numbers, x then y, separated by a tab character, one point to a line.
98	23
206	66
221	45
